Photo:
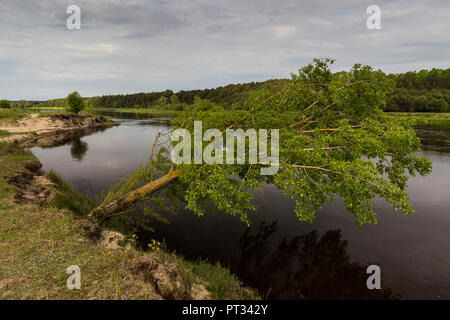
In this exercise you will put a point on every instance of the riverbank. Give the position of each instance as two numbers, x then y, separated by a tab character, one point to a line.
34	128
43	231
419	119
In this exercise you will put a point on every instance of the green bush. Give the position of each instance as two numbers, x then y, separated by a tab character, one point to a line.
4	104
442	105
74	103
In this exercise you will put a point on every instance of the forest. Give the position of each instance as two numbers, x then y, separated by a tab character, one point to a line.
422	91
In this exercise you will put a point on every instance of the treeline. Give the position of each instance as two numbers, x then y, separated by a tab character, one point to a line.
423	91
413	100
424	79
21	104
225	96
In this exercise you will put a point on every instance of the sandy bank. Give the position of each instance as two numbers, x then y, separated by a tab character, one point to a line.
48	131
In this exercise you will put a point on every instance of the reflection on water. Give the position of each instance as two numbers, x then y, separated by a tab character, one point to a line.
290	259
78	149
306	266
435	140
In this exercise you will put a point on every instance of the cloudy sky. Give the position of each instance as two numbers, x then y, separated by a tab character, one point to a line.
149	45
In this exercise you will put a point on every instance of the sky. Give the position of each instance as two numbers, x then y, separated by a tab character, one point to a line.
152	45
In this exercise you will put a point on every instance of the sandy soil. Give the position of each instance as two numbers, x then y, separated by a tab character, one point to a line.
34	123
33	127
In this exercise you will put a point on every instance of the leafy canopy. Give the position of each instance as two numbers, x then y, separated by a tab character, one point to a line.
74	103
334	140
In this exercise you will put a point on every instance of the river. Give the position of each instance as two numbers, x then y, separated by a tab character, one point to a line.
279	255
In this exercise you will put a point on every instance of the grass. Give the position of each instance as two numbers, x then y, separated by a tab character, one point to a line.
416	118
65	197
4	133
38	242
220	282
11	114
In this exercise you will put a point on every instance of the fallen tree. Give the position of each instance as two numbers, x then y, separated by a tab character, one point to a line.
334	139
107	210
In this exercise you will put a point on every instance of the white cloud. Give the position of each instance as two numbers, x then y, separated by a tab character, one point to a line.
284	31
89	48
147	45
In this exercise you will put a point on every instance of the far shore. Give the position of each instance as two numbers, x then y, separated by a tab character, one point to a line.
413	118
422	118
153	112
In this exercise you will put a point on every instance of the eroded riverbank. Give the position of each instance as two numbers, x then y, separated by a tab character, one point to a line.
43	232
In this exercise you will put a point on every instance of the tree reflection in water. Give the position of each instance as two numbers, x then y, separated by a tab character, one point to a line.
78	148
304	267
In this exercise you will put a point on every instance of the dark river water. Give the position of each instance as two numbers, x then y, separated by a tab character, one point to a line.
279	255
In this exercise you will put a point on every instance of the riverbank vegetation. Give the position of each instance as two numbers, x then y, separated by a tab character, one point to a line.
423	91
424	118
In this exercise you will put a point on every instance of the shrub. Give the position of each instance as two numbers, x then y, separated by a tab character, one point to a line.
442	105
74	103
4	104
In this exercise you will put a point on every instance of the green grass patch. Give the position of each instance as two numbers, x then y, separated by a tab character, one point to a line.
11	114
219	280
66	197
416	118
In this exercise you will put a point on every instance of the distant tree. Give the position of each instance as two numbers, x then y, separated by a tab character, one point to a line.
4	104
74	103
174	100
442	105
22	104
162	101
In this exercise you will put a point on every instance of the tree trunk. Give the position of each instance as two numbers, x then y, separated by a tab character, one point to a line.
105	211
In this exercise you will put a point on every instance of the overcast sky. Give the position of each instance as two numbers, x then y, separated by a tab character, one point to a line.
151	45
